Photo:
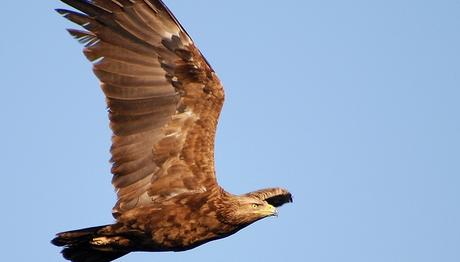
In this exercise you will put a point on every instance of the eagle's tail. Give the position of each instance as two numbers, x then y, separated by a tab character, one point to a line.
82	246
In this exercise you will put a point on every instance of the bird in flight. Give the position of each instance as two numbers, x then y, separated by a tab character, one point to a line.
164	101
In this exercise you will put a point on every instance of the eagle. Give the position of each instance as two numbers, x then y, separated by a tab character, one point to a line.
164	101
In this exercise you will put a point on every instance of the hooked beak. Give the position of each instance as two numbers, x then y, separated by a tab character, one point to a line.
270	210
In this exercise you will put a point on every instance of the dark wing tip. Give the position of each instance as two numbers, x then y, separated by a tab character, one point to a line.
274	196
279	200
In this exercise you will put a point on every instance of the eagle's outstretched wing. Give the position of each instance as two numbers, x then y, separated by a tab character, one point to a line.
163	97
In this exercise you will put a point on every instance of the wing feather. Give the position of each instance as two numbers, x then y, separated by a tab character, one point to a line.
274	196
164	99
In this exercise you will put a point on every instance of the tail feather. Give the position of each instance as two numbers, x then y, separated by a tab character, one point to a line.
78	247
83	254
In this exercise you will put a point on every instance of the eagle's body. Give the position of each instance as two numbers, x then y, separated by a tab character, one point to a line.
164	101
183	224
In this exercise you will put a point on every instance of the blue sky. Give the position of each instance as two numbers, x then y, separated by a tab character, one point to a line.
352	105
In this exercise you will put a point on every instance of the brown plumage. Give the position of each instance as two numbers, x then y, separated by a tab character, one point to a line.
164	101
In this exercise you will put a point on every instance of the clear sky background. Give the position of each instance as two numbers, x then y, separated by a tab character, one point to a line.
352	105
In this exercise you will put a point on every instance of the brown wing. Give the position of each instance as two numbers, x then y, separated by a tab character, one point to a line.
163	98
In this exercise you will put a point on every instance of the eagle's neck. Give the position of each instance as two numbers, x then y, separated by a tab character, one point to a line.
226	206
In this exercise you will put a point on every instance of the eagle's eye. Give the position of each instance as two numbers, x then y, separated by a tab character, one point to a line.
255	205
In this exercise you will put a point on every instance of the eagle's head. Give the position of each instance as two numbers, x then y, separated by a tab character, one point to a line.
246	209
250	209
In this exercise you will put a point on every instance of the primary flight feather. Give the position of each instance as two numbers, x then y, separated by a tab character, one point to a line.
164	101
